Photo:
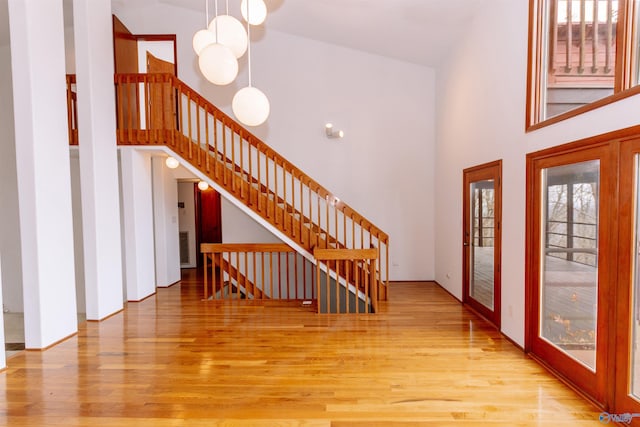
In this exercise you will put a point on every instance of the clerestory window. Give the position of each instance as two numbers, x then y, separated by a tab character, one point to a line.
582	54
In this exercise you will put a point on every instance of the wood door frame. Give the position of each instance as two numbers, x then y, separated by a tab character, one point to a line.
491	170
623	402
593	384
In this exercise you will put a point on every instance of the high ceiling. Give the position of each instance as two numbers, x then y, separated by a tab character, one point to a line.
418	31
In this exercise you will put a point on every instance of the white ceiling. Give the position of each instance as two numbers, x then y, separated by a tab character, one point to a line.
418	31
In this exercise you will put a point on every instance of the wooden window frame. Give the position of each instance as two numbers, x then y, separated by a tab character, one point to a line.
625	65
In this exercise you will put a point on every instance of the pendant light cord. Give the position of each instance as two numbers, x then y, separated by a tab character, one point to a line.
216	6
227	7
248	43
206	13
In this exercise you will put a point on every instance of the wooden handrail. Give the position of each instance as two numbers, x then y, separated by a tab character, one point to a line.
159	109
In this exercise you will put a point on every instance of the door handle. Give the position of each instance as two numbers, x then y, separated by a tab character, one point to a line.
465	244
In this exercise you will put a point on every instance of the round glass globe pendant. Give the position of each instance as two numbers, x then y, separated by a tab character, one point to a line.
218	64
203	185
258	11
230	32
202	39
250	106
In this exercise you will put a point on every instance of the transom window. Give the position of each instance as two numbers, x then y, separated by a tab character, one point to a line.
582	54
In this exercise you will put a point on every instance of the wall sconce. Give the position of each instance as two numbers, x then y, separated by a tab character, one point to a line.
331	132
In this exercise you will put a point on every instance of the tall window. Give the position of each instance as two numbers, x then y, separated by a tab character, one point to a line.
582	54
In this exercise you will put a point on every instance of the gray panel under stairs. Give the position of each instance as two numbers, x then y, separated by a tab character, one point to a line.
342	307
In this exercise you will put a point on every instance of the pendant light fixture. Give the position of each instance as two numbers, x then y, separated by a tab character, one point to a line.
258	11
250	105
217	62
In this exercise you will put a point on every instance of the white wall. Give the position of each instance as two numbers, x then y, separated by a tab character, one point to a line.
10	224
165	223
137	210
187	219
238	227
160	49
76	205
384	167
481	112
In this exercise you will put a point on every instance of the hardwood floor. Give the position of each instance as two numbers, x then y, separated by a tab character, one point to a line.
174	360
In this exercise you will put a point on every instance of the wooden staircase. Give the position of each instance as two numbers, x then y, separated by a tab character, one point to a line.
161	110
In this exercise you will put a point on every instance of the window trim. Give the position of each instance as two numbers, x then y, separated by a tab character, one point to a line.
626	60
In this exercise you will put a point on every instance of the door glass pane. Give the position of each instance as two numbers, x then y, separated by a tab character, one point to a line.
569	259
580	53
481	283
635	320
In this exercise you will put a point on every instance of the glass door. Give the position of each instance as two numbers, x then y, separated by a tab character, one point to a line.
627	379
482	239
570	200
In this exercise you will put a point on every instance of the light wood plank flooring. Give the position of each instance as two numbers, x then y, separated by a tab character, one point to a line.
174	360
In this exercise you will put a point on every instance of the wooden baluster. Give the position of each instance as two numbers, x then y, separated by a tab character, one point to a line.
253	277
367	284
129	118
594	38
238	274
354	269
328	285
224	152
295	273
246	275
280	295
301	210
569	41
259	183
271	274
327	234
147	116
344	228
264	283
190	131
312	287
293	206
181	134
337	264
176	94
583	36
318	283
607	64
214	275
233	161
284	197
553	45
266	166
206	140
309	242
250	178
199	139
335	219
275	189
242	173
206	268
286	255
216	169
361	234
304	275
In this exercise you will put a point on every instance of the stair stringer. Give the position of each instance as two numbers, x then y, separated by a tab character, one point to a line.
252	214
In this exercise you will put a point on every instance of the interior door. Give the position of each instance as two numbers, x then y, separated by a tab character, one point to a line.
571	199
162	100
482	239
